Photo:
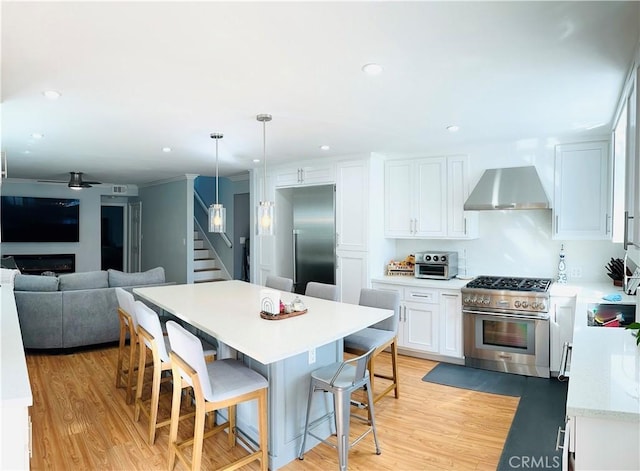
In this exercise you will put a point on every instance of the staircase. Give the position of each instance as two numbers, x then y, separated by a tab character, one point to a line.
205	265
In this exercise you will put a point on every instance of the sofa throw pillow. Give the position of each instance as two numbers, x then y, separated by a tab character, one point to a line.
83	280
149	277
35	283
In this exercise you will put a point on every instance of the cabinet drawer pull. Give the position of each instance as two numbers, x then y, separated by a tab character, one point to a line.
3	166
561	432
627	242
563	374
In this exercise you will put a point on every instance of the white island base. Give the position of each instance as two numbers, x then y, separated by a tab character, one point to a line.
288	392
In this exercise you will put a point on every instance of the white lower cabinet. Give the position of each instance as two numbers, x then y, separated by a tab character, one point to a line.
451	324
419	318
601	444
561	317
16	437
430	321
351	275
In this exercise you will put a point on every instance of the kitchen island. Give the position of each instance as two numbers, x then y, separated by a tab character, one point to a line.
283	351
603	401
15	392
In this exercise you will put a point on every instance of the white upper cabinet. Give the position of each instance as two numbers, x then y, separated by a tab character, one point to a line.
582	196
399	198
430	198
461	224
306	175
352	199
628	139
424	198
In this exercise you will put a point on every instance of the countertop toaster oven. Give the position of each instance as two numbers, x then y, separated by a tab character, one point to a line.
436	265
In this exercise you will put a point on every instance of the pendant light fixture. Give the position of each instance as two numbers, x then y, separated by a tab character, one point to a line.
265	208
217	212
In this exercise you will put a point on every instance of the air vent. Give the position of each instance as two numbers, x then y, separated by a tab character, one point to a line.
119	189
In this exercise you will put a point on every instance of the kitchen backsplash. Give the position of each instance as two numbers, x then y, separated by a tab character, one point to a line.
518	243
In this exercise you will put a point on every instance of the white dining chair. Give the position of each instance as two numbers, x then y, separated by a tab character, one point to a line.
279	282
153	339
321	290
217	385
126	373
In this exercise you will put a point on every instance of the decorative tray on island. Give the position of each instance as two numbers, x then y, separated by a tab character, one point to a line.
282	315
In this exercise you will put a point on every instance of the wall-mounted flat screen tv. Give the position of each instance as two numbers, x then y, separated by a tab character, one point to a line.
30	219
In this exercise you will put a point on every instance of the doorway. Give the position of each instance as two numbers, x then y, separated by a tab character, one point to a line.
241	223
112	237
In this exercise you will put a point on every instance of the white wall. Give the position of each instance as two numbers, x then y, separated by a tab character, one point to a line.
518	243
167	228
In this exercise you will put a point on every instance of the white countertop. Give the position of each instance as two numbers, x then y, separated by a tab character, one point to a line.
230	312
604	374
16	389
591	292
454	283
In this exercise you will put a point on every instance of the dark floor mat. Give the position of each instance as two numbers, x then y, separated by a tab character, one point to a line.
532	437
476	379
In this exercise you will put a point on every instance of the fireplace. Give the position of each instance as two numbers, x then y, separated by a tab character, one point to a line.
37	264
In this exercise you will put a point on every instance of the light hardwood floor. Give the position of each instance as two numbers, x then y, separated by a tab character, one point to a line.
82	422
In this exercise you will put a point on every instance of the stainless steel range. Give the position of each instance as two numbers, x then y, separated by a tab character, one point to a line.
506	324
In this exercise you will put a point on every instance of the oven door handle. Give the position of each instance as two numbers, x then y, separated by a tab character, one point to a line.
508	315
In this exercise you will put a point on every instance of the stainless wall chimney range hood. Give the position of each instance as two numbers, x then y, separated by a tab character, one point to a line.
508	188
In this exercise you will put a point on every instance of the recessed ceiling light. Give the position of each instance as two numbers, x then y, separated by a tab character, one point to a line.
325	147
37	135
26	151
51	94
166	149
255	161
453	128
372	69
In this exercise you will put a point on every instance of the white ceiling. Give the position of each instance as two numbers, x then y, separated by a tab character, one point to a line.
136	77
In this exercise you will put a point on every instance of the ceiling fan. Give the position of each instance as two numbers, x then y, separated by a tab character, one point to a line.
75	181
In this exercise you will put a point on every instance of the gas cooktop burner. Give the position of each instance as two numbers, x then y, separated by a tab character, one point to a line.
538	285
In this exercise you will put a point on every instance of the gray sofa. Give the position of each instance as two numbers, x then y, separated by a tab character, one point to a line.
75	309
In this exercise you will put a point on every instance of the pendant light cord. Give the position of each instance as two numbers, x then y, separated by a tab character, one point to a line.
217	136
217	181
264	158
263	118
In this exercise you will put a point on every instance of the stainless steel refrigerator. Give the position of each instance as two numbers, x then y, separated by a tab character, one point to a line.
314	236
